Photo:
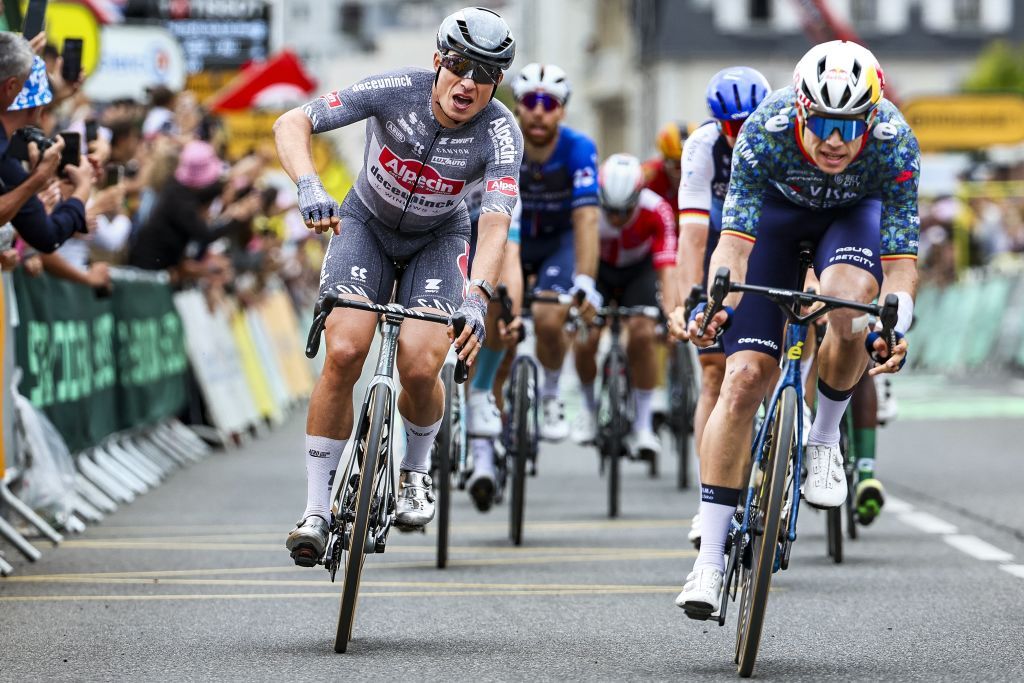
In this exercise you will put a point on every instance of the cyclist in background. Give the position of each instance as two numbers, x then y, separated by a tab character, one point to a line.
732	95
431	136
558	233
662	174
831	161
638	255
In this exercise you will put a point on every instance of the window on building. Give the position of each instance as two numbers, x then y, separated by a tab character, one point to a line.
760	11
864	13
299	10
967	14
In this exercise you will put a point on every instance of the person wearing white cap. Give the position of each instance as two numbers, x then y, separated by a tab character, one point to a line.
41	231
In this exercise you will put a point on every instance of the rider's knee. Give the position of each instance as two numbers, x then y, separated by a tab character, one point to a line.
744	385
421	370
344	358
641	333
711	378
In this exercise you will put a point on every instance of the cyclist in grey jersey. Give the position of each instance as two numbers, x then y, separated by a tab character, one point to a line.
431	137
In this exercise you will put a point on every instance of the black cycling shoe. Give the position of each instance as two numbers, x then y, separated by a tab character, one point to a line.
481	490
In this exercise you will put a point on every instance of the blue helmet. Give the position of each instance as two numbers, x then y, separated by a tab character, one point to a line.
734	93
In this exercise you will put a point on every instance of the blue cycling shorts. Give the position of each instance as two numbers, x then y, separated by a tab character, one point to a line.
844	235
552	259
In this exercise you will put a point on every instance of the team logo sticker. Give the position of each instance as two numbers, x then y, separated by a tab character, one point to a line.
506	186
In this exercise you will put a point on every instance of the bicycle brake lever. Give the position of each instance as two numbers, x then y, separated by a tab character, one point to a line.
889	316
313	341
461	369
719	289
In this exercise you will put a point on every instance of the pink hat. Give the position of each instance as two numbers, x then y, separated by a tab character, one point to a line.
199	165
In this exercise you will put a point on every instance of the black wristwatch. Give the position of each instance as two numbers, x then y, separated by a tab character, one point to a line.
484	285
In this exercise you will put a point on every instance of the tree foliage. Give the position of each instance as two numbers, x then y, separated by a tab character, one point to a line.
999	68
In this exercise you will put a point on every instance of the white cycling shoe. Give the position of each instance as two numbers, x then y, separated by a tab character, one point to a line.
415	505
483	418
553	426
584	428
702	593
825	486
693	535
643	444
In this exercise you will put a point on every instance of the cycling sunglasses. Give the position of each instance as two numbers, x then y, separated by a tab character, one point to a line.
849	129
547	100
731	127
464	67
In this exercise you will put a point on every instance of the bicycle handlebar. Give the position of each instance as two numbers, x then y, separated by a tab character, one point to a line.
330	300
790	301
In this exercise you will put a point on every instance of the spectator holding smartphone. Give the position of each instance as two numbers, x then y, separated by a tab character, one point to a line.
42	231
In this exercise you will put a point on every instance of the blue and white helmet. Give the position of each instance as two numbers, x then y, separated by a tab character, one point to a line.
734	93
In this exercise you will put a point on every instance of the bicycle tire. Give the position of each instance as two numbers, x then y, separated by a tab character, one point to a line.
834	531
687	403
770	499
379	406
850	464
521	415
443	472
617	397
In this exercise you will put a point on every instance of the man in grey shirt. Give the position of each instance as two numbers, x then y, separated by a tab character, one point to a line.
431	138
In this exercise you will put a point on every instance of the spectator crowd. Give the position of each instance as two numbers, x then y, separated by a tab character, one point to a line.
150	188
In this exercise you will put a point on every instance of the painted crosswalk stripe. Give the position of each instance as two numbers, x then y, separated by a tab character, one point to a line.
978	549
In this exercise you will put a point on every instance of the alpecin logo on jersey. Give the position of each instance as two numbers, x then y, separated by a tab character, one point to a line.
507	186
405	171
502	140
332	99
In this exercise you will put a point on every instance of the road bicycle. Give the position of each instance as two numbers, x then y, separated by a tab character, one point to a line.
614	408
761	537
363	498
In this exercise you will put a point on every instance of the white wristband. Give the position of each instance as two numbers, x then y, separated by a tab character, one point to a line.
584	282
904	313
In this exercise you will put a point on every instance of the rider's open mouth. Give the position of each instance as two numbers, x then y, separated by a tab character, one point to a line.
833	157
462	101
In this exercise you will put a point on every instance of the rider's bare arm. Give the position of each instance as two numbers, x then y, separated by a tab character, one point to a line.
586	240
492	236
512	276
293	133
698	169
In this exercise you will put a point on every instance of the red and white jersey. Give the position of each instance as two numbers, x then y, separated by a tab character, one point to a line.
651	231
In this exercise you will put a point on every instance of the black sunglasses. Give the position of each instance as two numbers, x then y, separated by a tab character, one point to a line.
464	67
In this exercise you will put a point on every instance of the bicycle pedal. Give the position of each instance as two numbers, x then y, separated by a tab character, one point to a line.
305	556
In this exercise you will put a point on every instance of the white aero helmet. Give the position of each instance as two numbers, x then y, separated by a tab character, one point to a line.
838	77
546	78
619	182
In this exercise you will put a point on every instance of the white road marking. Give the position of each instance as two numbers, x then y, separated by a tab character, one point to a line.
898	506
1015	569
930	524
978	549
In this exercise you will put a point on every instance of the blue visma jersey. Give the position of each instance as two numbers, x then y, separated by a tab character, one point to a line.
550	191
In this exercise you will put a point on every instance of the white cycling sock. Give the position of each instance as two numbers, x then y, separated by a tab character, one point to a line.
418	441
483	456
643	420
589	397
322	458
831	406
717	506
551	377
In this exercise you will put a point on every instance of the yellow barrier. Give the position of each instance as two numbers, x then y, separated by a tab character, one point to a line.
282	327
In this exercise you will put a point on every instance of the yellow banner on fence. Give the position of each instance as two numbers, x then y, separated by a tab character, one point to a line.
258	384
282	328
965	122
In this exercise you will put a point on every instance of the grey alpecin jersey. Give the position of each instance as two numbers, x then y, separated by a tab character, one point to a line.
415	172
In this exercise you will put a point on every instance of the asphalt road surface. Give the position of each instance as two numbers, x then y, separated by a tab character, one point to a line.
192	581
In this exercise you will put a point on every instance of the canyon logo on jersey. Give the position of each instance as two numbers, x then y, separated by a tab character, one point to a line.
507	186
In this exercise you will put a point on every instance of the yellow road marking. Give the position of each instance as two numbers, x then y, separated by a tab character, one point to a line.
448	585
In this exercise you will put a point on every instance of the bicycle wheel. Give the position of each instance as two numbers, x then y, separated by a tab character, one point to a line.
521	453
371	441
765	522
617	396
850	462
685	401
443	450
834	531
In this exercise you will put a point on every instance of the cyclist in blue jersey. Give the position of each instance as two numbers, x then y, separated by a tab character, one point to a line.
830	161
732	95
559	223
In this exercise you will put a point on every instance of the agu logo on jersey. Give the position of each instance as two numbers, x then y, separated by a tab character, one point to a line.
507	186
406	171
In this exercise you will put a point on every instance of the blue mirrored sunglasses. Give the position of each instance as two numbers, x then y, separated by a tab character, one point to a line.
849	129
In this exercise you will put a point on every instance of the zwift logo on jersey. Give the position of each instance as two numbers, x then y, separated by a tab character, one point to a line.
406	171
506	186
503	141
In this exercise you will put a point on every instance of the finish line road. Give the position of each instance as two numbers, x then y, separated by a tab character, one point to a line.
192	581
